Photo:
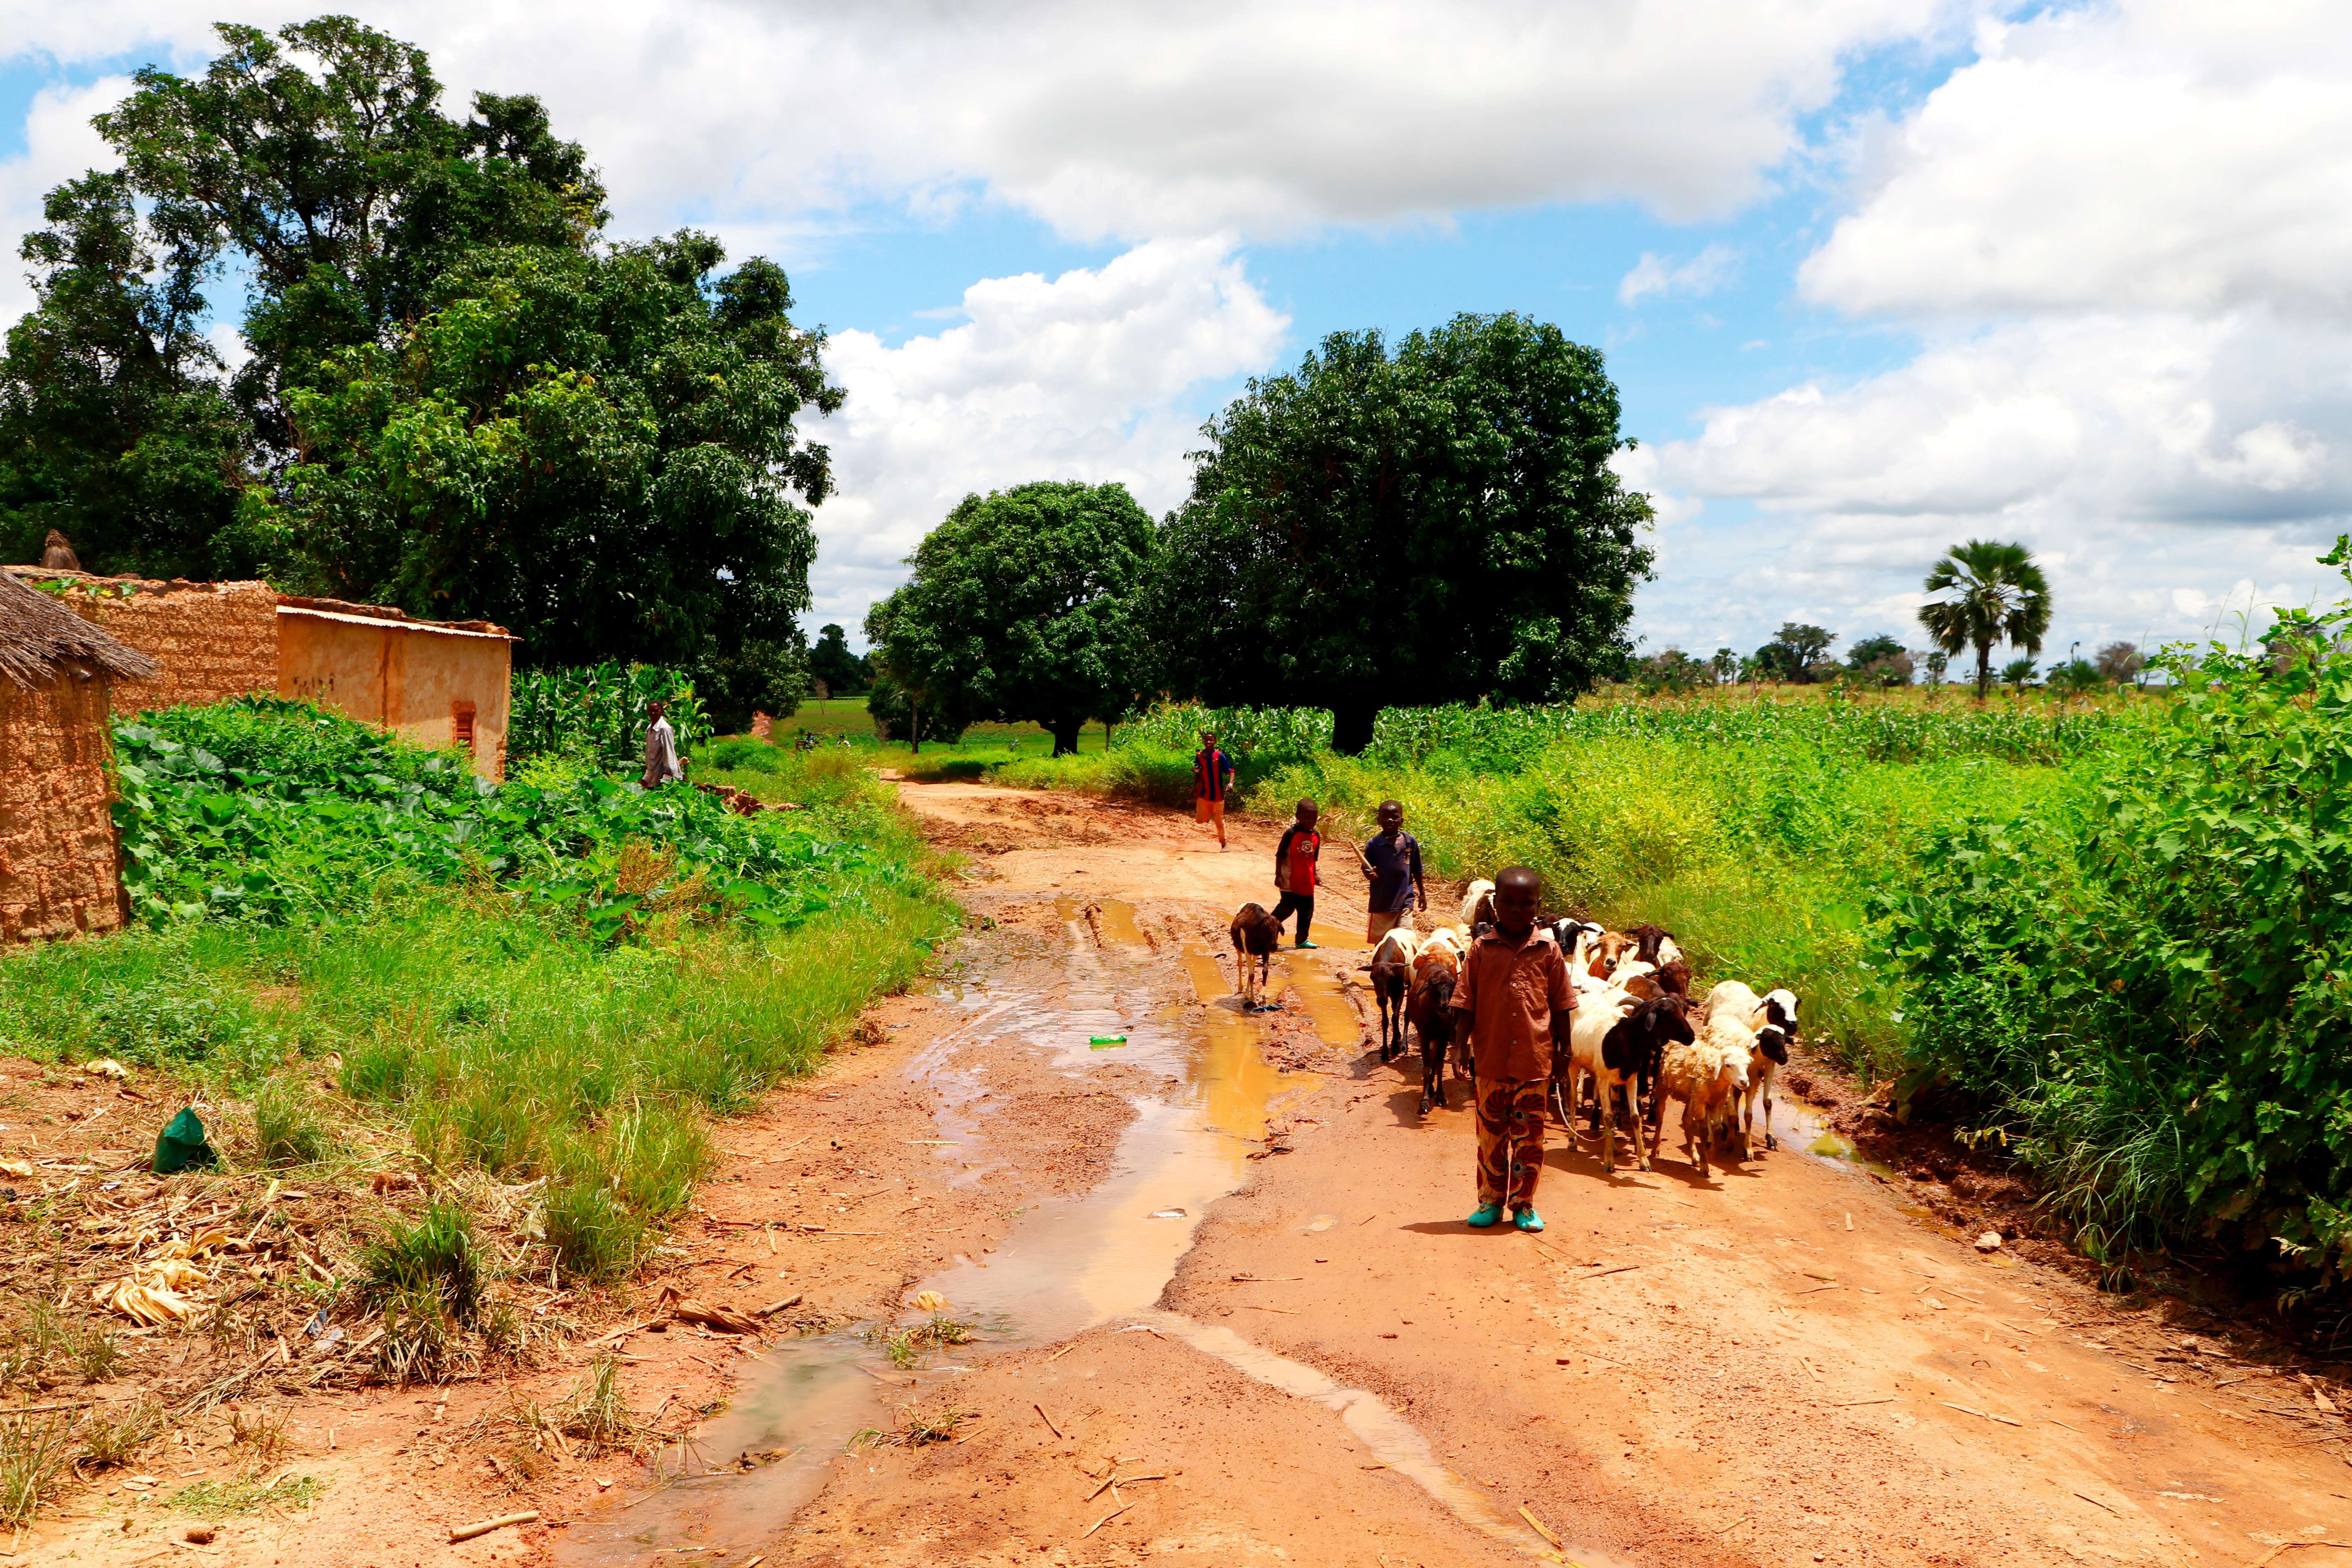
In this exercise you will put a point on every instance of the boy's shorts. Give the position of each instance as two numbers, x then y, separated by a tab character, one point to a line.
1207	810
1378	925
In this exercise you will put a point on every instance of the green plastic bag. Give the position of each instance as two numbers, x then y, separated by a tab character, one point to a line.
182	1144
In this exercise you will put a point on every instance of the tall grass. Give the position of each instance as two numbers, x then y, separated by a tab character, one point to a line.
1763	859
1760	830
495	1026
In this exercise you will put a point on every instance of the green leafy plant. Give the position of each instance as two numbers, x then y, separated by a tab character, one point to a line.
596	713
2149	986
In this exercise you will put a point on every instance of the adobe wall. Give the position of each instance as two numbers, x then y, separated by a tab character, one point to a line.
213	640
59	868
420	680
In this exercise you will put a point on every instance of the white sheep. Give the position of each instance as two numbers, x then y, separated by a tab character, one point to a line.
1478	904
1708	1076
1392	978
1773	1018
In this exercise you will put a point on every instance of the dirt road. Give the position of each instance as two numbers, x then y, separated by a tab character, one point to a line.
1228	1312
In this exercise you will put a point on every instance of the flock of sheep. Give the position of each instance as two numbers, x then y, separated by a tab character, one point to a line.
1636	1038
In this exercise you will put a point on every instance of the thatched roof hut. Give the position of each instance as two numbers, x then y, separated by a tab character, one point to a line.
40	637
60	865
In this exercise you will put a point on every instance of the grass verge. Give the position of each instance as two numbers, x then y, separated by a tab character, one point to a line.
479	1034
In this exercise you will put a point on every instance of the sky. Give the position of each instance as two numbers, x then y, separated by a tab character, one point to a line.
1872	276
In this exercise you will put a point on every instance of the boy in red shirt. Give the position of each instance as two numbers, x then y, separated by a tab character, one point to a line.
1294	870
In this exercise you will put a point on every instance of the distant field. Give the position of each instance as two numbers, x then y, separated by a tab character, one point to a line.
835	717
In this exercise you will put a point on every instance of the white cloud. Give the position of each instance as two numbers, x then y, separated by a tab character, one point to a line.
1081	377
1705	273
2146	458
2124	234
2172	155
58	145
1192	117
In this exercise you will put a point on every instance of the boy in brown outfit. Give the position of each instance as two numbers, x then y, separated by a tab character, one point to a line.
1516	994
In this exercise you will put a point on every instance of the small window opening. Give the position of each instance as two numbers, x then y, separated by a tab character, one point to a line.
461	725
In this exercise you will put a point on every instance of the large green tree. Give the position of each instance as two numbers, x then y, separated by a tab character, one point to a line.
457	398
1793	652
830	660
1432	525
1022	607
596	451
1987	593
319	160
114	425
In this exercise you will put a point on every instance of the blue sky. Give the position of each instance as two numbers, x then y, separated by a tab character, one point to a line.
1873	276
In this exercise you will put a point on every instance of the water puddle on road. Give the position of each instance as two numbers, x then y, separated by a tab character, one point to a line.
1119	922
1069	1264
1325	997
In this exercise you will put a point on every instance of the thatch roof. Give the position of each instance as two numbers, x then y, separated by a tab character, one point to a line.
37	635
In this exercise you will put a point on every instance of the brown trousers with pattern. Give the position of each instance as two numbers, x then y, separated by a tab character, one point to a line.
1510	1138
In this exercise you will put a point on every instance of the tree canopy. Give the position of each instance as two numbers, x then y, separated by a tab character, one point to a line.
457	397
830	660
1437	524
1988	592
1881	661
1794	652
2120	662
115	428
1022	607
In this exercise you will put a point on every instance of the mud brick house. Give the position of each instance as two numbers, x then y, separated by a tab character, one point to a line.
438	683
60	862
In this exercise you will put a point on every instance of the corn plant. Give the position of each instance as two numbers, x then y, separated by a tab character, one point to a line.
596	713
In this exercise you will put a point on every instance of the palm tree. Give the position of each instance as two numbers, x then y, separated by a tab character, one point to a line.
1990	592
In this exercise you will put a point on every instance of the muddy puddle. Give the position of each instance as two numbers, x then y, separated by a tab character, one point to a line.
1070	1264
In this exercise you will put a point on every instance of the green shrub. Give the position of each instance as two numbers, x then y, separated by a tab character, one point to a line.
2148	994
222	822
287	1127
740	753
434	1258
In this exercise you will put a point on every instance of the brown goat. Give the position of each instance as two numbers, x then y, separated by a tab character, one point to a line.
1436	971
1256	933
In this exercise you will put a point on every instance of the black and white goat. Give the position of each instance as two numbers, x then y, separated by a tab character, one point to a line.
1618	1040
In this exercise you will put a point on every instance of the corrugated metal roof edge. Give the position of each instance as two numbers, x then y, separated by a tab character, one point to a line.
432	628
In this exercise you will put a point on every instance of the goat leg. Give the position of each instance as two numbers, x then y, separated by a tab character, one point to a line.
1604	1113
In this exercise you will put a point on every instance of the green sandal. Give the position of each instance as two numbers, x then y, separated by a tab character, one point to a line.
1487	1214
1526	1220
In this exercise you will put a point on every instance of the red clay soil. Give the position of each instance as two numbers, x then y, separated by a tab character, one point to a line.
1226	1312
